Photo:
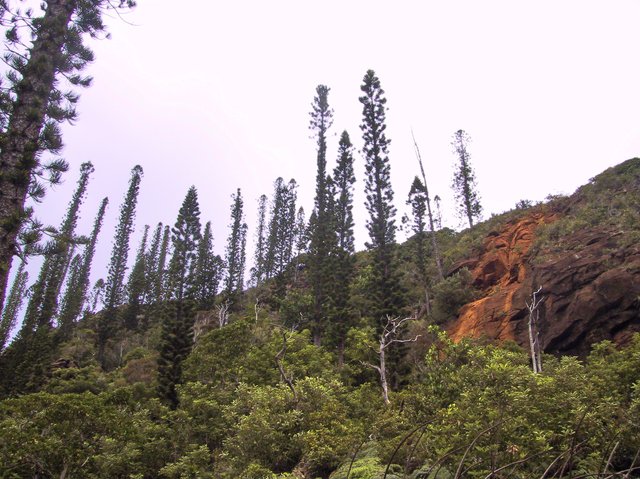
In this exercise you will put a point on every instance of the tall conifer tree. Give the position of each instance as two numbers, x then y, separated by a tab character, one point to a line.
344	179
464	180
235	249
160	288
302	235
151	260
418	201
177	316
77	289
281	232
288	224
258	270
186	235
137	284
13	304
43	305
64	326
321	230
35	345
114	286
43	49
208	272
379	200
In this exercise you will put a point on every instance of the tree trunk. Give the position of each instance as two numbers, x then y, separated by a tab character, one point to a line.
19	144
383	375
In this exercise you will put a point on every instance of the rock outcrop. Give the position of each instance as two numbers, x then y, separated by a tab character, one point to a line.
591	287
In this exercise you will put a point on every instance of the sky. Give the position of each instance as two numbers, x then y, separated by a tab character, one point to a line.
217	95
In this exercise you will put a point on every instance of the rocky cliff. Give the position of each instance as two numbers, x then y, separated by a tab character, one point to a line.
584	251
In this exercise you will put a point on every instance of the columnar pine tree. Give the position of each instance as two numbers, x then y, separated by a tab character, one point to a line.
344	178
379	200
321	232
36	296
418	201
464	180
65	327
43	306
35	345
51	50
302	234
208	272
177	328
114	286
160	275
76	293
279	248
177	339
13	304
137	285
243	255
151	260
233	283
186	235
288	225
258	270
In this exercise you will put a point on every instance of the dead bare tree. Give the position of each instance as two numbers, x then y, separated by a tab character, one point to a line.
388	336
534	333
223	313
287	379
201	324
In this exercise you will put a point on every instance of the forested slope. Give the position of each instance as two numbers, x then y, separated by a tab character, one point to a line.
256	396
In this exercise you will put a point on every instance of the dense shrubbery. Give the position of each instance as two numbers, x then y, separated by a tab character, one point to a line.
471	408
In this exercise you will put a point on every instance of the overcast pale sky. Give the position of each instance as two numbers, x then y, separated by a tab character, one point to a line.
217	94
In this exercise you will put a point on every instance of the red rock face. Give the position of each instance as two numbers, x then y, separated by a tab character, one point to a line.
591	289
499	272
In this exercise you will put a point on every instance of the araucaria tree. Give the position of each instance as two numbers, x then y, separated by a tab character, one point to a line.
344	178
43	304
152	259
158	269
186	235
137	285
235	251
281	234
208	272
418	201
13	304
32	352
258	270
77	288
379	200
114	286
177	316
464	180
321	228
41	50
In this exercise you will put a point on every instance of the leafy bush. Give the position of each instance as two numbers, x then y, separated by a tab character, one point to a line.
450	294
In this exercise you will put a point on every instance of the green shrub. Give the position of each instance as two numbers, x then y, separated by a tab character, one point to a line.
450	294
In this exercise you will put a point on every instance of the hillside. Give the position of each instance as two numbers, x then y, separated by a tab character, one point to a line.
258	397
582	250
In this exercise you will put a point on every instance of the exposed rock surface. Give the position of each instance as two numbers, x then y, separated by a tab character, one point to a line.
591	288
